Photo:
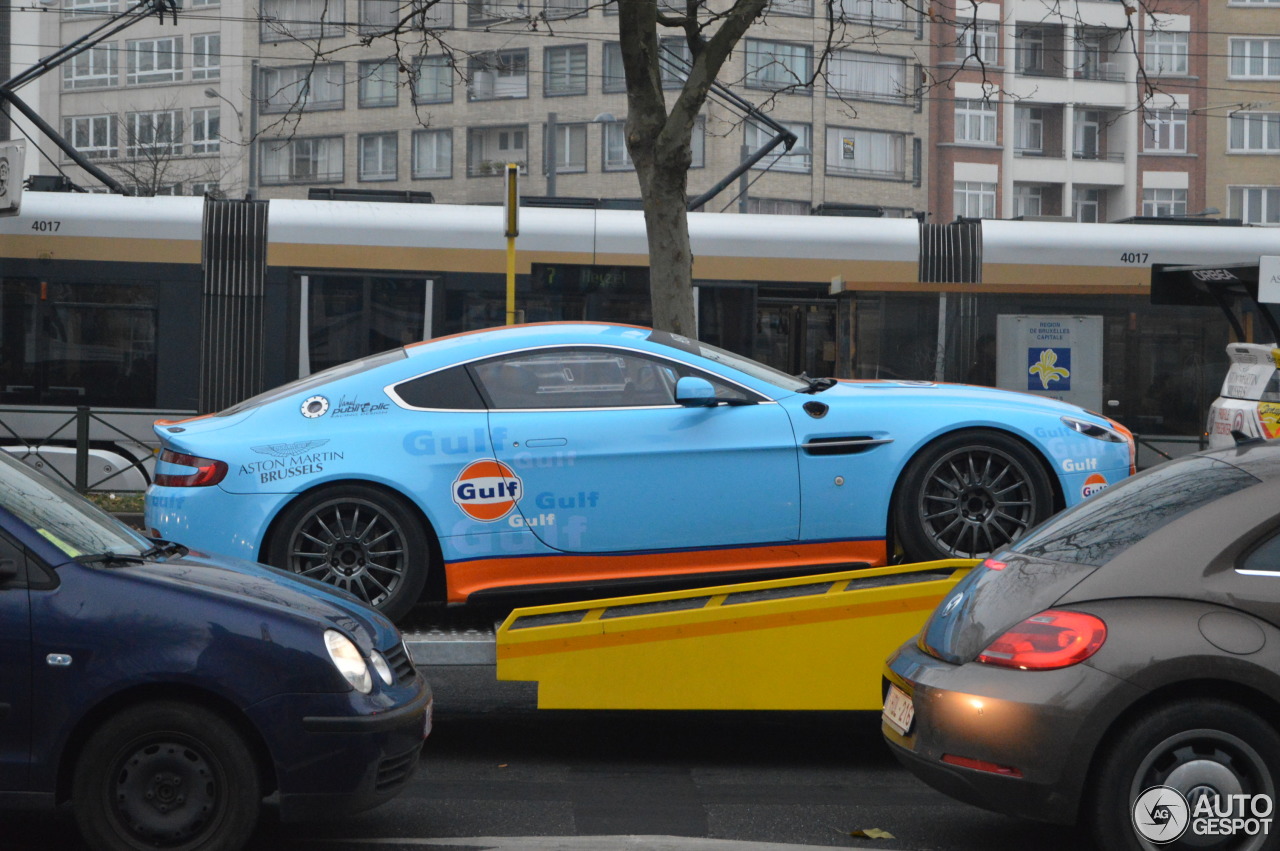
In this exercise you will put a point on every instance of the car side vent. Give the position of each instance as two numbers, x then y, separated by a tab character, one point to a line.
843	445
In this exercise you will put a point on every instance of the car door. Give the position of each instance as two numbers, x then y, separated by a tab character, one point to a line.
15	668
606	461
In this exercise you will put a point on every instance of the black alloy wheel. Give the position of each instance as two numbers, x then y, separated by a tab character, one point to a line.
357	538
968	495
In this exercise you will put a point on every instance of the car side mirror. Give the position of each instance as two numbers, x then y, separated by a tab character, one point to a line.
694	392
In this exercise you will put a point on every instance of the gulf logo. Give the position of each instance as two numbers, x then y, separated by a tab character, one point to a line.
1093	484
487	490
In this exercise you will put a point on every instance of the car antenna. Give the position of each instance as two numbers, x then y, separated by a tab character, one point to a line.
1243	439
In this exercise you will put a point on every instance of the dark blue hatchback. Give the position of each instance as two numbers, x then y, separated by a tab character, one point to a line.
166	693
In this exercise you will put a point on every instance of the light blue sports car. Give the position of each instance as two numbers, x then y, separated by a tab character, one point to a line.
594	458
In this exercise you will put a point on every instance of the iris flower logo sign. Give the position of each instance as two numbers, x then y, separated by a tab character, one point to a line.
1046	366
1160	815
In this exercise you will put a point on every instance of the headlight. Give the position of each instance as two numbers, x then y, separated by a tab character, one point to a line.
380	665
1094	430
347	659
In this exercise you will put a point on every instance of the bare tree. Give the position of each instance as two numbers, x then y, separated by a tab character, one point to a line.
155	161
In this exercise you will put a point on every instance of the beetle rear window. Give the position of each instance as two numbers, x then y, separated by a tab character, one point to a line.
1104	525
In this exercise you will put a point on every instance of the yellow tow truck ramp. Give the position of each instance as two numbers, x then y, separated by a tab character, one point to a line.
812	642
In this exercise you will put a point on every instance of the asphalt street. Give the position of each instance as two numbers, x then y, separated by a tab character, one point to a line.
498	774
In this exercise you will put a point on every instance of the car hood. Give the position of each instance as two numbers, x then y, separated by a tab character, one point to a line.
249	583
969	393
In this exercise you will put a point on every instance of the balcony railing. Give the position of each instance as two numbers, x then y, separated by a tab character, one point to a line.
1099	156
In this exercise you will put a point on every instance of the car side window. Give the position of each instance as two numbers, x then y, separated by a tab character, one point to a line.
582	378
447	389
1264	558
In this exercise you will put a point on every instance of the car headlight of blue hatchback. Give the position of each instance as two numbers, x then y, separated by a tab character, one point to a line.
347	659
1094	430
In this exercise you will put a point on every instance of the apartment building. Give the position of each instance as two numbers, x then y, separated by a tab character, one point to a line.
1092	111
1243	114
476	84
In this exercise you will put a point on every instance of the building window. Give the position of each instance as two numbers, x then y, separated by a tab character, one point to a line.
880	13
1028	199
92	135
432	154
974	200
978	39
1165	131
433	80
92	69
303	87
778	207
302	160
1028	46
1254	133
776	65
976	121
206	56
616	156
154	60
205	135
796	8
378	156
1028	130
489	149
73	8
154	134
379	83
675	59
501	74
867	76
1087	204
571	148
1166	52
564	70
208	188
866	153
1255	205
1088	135
1254	58
285	20
615	77
564	8
757	136
1164	202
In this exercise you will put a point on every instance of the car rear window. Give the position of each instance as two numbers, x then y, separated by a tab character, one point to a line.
1106	524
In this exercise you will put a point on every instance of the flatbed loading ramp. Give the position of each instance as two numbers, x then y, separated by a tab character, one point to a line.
814	642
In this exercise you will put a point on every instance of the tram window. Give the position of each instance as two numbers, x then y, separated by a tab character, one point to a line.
78	344
351	316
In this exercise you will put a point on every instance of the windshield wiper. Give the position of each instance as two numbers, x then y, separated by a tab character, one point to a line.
109	557
166	548
816	385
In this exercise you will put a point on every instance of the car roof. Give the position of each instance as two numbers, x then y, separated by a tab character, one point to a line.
1260	458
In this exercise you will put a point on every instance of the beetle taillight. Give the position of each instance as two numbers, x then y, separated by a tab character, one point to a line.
207	471
1052	639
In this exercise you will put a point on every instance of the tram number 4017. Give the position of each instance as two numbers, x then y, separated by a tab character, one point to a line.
1134	257
46	225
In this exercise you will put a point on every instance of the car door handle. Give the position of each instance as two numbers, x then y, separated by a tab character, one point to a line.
546	441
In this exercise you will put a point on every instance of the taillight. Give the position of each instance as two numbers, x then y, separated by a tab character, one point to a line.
208	471
1052	639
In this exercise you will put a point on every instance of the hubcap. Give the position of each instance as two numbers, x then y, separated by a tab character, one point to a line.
351	544
166	793
975	501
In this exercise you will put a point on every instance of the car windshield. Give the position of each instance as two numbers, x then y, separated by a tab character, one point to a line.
71	523
302	385
755	369
1106	524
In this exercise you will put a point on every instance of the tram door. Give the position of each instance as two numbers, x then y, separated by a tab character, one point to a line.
344	317
797	336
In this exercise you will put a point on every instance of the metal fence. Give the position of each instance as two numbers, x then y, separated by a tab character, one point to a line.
64	442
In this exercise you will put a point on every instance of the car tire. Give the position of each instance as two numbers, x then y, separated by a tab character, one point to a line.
1206	744
166	775
967	495
358	538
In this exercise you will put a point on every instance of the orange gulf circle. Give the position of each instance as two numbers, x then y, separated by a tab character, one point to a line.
487	474
1093	484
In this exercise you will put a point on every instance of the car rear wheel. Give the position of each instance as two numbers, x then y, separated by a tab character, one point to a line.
358	538
166	775
1200	749
969	494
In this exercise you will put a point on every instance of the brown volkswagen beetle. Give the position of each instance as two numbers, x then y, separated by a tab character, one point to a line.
1118	667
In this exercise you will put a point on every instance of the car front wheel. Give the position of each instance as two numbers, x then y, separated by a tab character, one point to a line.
969	494
166	775
358	538
1180	776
